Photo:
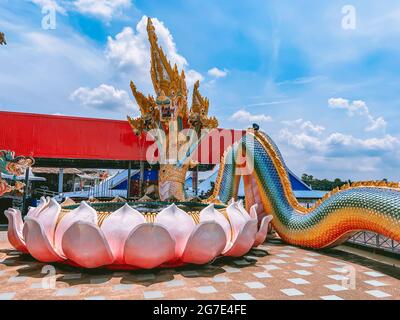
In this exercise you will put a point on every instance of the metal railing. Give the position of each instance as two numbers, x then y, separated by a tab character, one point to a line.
374	240
45	193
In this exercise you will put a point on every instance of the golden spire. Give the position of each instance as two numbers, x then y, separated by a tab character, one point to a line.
143	102
199	103
163	75
199	111
161	71
171	96
183	87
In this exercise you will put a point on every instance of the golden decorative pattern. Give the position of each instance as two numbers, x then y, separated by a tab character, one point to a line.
171	95
170	172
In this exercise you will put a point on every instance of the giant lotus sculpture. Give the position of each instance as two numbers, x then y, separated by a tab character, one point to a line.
127	238
164	234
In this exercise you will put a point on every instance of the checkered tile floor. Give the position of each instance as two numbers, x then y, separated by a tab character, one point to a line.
272	271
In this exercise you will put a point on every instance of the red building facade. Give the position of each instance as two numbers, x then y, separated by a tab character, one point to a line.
63	141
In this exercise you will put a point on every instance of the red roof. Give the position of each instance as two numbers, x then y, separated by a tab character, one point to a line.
64	137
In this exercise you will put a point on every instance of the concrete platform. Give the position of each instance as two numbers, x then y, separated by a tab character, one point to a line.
273	271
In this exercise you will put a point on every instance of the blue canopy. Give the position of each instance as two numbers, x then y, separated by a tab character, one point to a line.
149	175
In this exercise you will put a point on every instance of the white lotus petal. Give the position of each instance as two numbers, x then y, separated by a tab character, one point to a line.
15	225
48	218
84	243
253	211
38	243
117	227
236	219
83	213
206	242
148	246
263	231
34	211
244	241
211	214
179	224
242	210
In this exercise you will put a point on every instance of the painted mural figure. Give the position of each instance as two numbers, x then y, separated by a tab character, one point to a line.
15	166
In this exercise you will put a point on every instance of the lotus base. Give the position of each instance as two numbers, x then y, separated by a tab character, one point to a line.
135	235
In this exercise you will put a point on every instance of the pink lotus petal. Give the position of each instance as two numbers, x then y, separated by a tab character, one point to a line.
240	207
263	231
179	224
253	212
38	243
116	229
211	214
84	243
236	219
34	211
48	217
148	246
15	225
83	213
244	241
205	243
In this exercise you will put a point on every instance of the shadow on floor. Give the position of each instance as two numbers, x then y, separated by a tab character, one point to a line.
76	276
363	261
386	269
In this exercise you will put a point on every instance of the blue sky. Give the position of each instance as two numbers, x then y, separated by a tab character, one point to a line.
328	96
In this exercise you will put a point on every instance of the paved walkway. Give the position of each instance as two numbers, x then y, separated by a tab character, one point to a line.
273	271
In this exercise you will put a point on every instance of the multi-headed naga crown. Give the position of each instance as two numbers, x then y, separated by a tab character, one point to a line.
171	95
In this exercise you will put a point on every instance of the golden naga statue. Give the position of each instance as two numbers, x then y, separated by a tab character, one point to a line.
2	39
168	112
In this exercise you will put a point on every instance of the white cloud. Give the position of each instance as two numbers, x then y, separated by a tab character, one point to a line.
306	126
245	116
217	73
375	123
192	76
50	3
56	65
104	97
129	51
358	107
339	144
338	153
301	141
105	9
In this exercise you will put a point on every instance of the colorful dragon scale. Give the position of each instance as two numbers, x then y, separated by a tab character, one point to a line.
365	206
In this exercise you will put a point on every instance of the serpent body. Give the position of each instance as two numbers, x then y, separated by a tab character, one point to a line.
363	206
